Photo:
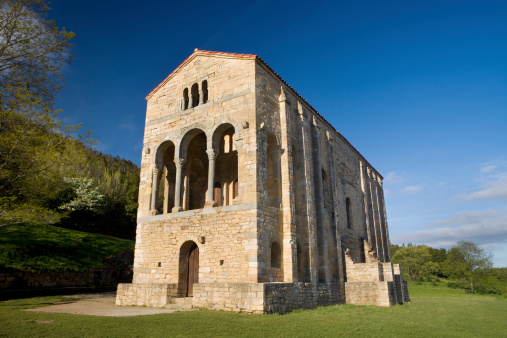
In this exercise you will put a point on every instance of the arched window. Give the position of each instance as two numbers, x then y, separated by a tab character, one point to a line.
276	255
226	166
195	169
185	98
217	194
194	92
235	188
349	216
165	180
204	91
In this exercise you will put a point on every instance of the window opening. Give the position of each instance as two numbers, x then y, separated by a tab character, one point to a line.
185	98
195	95
204	91
349	218
276	255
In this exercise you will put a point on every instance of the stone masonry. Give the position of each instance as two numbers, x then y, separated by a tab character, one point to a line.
251	201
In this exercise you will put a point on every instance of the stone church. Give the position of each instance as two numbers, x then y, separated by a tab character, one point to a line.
251	201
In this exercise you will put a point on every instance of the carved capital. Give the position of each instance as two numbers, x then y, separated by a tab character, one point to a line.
178	162
212	154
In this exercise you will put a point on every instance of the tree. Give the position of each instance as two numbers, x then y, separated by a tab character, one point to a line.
466	260
415	261
32	139
87	196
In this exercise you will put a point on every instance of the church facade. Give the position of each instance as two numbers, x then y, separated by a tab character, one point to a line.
249	200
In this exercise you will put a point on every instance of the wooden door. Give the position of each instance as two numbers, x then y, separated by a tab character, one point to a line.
193	269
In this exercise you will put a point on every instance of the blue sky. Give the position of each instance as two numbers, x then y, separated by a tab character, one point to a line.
418	87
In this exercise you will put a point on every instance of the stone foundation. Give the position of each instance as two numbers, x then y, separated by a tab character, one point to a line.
156	295
238	297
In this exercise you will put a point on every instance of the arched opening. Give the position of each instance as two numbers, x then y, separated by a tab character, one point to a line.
226	167
164	182
276	255
188	268
274	184
217	194
347	211
204	91
194	92
185	98
195	169
235	188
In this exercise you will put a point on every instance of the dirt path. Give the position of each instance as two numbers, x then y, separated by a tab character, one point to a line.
99	304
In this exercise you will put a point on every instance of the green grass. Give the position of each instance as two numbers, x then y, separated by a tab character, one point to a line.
48	248
433	312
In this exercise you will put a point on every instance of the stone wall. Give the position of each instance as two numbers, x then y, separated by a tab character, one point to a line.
369	293
149	294
226	237
265	297
117	269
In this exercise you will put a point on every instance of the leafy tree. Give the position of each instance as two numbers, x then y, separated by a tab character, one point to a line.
466	261
32	139
32	52
87	195
37	150
415	261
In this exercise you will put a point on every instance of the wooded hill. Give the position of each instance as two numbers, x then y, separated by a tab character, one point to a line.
463	266
48	173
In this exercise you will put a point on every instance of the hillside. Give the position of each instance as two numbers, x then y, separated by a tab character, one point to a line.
46	248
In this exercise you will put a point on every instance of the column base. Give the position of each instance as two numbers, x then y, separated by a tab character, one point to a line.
210	204
176	209
154	212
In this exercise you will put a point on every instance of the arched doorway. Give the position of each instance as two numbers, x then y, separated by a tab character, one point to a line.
189	268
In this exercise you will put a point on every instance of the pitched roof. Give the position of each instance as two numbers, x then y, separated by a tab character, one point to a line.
204	53
198	52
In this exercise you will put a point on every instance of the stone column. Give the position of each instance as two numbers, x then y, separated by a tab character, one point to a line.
310	207
336	245
383	216
319	205
212	155
154	190
289	250
166	191
201	97
376	217
178	162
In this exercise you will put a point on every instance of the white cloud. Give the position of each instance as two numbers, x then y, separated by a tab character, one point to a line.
413	189
494	187
488	169
485	227
393	178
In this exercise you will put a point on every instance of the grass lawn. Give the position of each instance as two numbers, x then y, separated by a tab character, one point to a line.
433	312
47	248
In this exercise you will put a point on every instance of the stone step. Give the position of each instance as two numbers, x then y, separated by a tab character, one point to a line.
178	306
180	303
181	300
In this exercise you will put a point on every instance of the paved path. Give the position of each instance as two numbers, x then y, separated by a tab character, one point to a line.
99	304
